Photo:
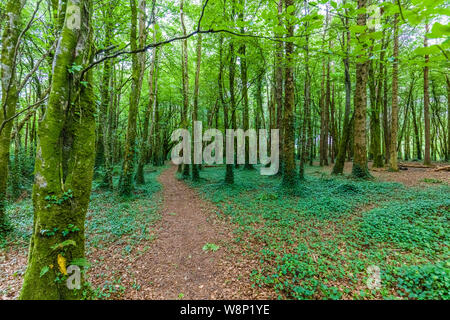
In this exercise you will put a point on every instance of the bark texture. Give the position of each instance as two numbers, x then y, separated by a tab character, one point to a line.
64	167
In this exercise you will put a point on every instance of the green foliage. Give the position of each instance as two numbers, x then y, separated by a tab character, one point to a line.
81	262
210	247
55	200
318	240
423	282
418	221
63	245
20	175
431	180
70	228
44	270
20	231
112	217
74	68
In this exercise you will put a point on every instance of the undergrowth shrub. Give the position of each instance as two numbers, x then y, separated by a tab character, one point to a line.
318	241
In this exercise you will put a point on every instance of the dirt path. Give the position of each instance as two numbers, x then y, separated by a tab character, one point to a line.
176	267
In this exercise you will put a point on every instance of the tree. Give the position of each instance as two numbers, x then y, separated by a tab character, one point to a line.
245	113
103	155
340	159
10	40
279	84
195	173
128	166
426	104
307	103
393	166
140	178
185	78
62	184
324	103
289	174
360	169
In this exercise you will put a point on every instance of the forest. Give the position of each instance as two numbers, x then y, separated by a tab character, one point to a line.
92	207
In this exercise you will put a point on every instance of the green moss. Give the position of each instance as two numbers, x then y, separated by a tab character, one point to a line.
361	172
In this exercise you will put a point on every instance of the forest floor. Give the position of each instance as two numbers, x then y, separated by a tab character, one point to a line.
411	177
186	253
192	257
176	239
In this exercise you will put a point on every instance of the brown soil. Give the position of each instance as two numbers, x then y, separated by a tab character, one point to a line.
13	264
175	266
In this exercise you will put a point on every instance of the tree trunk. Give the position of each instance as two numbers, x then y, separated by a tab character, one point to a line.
307	103
324	105
229	176
340	160
185	77
62	183
448	117
360	169
378	154
279	86
289	176
128	167
245	113
10	96
393	165
426	105
195	173
103	155
140	178
387	131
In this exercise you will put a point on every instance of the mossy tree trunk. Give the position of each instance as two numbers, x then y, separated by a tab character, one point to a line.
416	131
103	159
195	167
377	153
307	104
185	78
128	166
360	169
448	117
324	104
386	129
375	128
244	80
289	174
393	165
426	105
140	179
10	37
279	84
229	176
64	166
346	129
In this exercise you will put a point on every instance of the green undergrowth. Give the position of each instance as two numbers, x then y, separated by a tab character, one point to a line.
124	220
110	217
322	239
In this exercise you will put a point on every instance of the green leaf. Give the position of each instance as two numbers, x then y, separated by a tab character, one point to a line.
44	270
357	29
439	31
210	247
81	262
64	244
